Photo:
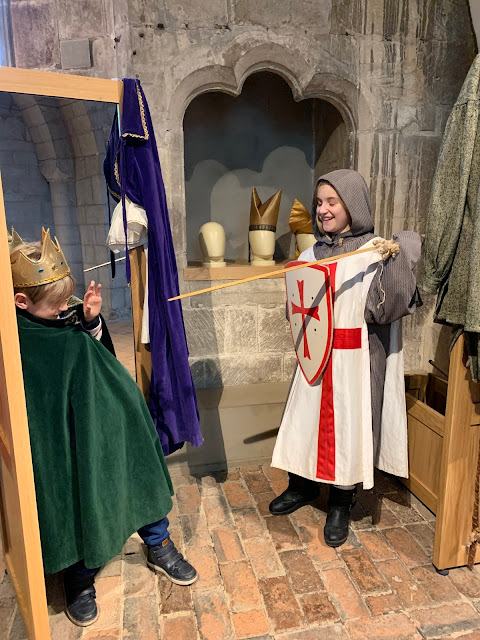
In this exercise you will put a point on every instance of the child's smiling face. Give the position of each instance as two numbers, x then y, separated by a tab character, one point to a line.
331	213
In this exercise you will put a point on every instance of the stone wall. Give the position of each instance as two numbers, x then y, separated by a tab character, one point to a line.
391	68
51	159
25	190
101	116
88	125
262	138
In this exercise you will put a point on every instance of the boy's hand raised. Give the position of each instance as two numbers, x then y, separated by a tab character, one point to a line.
92	302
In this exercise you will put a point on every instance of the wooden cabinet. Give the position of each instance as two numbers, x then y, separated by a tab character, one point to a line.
443	445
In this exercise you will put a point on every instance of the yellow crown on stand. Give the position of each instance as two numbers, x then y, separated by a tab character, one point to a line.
263	217
300	218
28	272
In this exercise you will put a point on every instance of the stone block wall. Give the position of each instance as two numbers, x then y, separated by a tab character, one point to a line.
392	69
26	193
100	116
237	337
88	125
51	158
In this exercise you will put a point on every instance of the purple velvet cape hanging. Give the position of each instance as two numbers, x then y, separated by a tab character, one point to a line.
132	168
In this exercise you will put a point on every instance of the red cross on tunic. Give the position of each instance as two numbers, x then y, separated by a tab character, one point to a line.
305	311
342	339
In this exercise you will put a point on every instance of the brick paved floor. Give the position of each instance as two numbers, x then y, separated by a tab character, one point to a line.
122	337
268	577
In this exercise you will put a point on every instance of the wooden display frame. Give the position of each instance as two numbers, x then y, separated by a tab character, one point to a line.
20	531
443	454
60	85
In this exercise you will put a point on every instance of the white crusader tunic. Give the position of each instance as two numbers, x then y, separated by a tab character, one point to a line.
326	430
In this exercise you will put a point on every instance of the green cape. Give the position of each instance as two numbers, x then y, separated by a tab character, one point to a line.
98	464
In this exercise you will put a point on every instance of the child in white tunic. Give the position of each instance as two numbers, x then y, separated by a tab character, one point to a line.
353	418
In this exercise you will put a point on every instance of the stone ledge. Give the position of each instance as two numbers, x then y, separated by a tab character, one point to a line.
232	271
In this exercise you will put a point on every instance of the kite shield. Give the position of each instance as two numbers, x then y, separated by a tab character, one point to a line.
310	311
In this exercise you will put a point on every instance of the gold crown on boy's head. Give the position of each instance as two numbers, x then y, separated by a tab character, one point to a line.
28	272
263	217
300	218
14	241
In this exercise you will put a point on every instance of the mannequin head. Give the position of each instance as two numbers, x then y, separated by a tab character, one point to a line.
262	246
212	244
304	241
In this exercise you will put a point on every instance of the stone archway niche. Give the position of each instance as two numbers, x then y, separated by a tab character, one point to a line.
261	138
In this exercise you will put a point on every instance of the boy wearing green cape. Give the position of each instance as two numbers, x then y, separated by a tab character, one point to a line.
99	469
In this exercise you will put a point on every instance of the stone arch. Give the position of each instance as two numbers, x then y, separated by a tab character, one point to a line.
50	139
88	125
210	78
69	138
277	59
242	60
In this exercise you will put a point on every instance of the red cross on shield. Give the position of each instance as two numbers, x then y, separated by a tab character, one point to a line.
310	311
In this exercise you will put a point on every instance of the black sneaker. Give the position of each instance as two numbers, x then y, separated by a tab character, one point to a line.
164	558
83	610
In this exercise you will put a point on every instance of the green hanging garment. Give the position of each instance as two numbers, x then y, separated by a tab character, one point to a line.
451	253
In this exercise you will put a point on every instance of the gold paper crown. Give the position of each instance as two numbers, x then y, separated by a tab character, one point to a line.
51	265
263	217
300	219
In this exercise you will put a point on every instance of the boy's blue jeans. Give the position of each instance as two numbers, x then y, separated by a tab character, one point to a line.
151	534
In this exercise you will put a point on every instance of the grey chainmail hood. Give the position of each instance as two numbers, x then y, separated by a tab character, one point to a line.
353	190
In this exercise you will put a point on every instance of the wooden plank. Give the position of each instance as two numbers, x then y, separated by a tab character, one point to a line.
416	384
422	492
233	271
21	536
143	358
62	85
439	385
425	414
458	468
415	380
424	459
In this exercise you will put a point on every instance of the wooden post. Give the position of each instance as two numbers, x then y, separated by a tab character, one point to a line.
20	531
143	358
459	465
18	505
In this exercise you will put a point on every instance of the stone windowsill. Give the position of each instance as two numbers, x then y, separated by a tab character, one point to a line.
234	270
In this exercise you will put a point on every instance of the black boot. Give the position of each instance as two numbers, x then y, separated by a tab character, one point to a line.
80	595
340	504
299	492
